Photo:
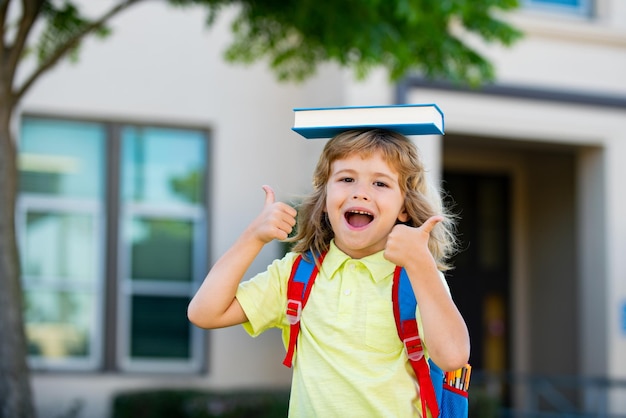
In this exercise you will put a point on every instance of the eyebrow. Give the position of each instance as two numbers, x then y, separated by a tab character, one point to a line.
375	174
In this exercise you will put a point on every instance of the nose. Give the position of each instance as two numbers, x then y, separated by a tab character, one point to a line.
360	193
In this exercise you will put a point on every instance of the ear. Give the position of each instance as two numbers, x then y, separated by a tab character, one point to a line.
403	216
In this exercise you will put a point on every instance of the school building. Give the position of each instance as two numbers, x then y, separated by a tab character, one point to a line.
142	163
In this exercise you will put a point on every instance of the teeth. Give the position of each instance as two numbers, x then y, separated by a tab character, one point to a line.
360	212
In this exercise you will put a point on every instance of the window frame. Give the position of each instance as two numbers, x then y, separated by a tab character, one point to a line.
112	320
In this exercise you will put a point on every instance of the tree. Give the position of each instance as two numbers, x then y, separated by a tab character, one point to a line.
295	36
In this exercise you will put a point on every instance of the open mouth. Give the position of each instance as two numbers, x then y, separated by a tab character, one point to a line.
358	218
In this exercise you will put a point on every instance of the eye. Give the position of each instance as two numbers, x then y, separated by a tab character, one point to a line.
380	184
346	179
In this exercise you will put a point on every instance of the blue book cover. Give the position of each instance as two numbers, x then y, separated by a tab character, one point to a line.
407	119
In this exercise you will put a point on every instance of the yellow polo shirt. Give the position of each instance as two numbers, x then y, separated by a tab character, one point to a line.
349	360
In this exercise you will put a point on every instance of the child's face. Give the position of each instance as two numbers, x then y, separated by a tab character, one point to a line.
363	202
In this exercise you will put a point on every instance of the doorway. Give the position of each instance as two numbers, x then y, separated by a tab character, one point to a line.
480	280
517	227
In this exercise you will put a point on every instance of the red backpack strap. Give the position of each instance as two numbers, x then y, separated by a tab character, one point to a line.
404	307
303	274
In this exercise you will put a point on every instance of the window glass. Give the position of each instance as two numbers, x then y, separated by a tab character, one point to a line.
58	323
160	327
161	249
572	7
59	247
162	165
571	3
61	158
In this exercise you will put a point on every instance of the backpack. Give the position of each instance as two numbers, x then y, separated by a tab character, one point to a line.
443	394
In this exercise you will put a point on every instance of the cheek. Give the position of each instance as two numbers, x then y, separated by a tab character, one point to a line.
331	199
331	206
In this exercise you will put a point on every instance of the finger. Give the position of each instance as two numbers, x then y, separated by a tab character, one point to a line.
430	223
270	197
288	211
288	221
283	226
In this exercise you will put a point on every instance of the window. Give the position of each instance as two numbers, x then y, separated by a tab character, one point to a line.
111	222
60	224
162	228
571	7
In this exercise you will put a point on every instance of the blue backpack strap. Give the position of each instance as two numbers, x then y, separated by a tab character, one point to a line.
404	308
303	274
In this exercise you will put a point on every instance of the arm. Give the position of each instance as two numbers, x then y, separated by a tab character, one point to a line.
214	304
445	330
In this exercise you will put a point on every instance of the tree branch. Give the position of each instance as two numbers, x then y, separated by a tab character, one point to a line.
30	12
4	6
71	43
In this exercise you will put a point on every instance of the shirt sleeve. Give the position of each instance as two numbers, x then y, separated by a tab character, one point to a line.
263	298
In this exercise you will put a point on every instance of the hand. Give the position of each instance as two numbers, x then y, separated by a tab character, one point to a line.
276	220
406	244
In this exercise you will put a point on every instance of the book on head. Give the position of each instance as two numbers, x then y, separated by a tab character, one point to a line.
408	119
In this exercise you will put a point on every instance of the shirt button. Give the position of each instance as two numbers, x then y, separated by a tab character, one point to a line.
347	292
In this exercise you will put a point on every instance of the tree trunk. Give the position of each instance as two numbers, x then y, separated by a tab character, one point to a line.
15	391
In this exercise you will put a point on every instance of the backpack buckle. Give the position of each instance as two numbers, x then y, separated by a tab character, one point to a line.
294	310
413	347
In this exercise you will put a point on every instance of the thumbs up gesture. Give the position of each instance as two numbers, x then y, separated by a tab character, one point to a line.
406	244
276	220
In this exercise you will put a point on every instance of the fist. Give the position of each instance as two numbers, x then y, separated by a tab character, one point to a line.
406	244
276	220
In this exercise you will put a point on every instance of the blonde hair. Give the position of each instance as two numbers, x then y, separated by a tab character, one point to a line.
314	232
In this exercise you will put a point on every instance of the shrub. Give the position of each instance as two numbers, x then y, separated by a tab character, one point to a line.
172	403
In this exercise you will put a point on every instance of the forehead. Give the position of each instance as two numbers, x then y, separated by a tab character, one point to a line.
372	161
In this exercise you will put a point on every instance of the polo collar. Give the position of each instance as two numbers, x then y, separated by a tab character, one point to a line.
378	266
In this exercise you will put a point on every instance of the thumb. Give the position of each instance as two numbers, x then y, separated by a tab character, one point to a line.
270	198
431	223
